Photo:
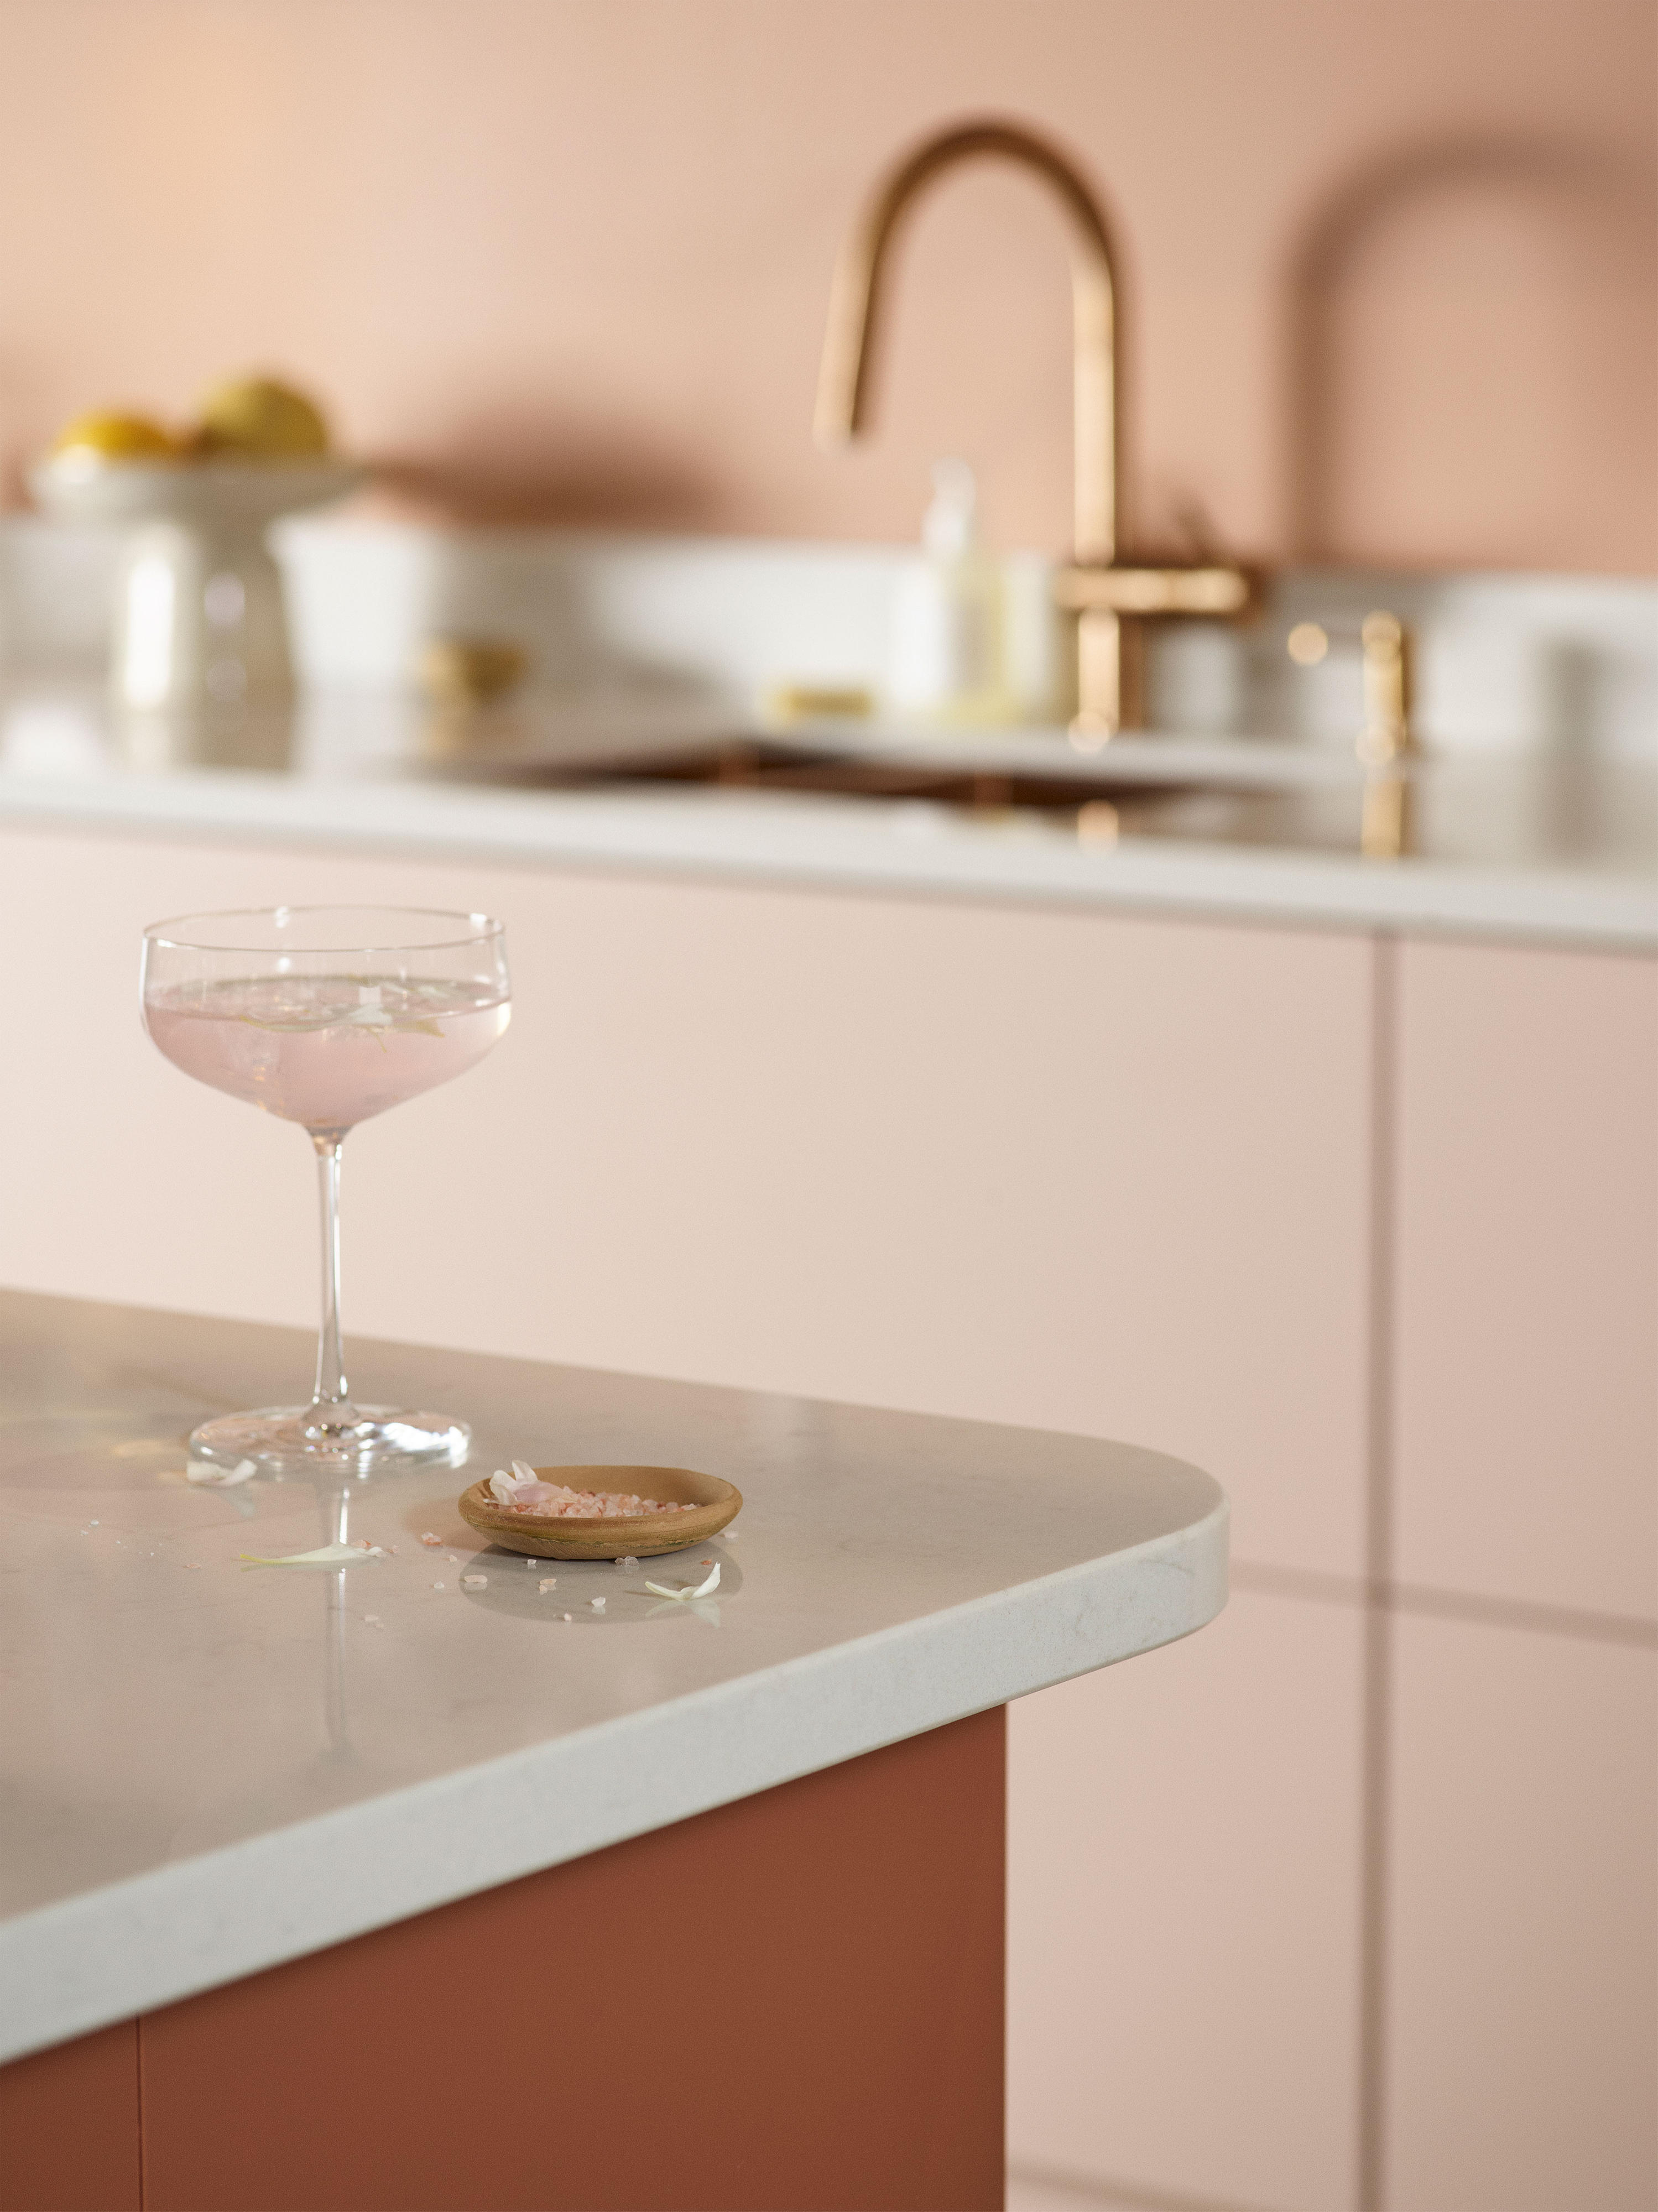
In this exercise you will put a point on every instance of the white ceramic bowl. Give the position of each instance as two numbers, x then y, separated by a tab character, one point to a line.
233	497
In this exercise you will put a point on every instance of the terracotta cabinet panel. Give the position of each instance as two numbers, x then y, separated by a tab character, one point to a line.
1084	1171
1527	1330
1522	1984
1183	1917
844	2055
70	2126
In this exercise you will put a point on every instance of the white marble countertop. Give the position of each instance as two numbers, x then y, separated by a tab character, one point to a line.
209	1768
1516	846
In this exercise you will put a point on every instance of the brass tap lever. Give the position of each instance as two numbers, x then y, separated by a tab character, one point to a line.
1219	591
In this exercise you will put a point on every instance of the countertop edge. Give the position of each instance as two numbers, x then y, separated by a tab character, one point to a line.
89	1961
817	852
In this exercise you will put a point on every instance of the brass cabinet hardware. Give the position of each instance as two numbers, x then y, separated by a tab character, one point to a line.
1144	591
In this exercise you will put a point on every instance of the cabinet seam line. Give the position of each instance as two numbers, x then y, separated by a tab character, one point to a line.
1376	1717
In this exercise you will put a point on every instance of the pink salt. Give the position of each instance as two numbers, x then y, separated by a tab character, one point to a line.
557	1501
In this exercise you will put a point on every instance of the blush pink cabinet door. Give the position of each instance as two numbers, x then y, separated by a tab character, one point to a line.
1184	1919
1522	1816
1522	1976
1526	1411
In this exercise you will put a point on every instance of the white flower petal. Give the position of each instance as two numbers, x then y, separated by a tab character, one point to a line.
218	1478
327	1555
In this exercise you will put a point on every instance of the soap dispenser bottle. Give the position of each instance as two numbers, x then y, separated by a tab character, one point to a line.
946	643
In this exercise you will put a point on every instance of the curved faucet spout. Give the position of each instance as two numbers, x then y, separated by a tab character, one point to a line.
843	389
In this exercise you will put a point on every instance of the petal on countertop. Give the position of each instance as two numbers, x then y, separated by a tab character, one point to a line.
687	1591
327	1555
218	1478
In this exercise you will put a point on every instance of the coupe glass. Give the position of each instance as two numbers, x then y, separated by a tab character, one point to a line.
323	1016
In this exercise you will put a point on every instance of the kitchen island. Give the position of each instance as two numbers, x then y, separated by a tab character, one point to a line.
748	1950
1332	1175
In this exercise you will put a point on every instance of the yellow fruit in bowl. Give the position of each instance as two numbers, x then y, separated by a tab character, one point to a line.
108	435
256	418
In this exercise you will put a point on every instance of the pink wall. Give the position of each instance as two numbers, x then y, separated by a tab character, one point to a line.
1392	263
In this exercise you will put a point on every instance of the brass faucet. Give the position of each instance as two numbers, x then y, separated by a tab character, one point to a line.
1110	597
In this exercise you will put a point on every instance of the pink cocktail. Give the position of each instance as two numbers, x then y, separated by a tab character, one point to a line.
325	1016
324	1051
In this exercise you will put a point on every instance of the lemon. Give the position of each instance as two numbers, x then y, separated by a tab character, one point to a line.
107	435
265	420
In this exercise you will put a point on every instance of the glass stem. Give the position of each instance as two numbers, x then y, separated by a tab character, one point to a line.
329	1401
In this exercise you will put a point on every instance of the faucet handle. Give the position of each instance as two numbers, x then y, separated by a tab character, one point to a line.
1389	657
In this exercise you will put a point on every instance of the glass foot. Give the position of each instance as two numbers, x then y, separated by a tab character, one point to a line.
297	1440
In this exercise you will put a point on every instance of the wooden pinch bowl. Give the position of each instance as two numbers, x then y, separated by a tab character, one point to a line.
637	1535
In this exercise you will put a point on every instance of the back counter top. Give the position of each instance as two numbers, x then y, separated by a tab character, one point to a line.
1520	847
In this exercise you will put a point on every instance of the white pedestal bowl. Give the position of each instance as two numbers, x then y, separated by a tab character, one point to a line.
200	622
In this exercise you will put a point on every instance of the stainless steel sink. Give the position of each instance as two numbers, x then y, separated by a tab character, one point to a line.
1256	792
781	764
1199	792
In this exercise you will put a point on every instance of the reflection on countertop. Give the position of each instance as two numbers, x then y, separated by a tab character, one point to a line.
1540	842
